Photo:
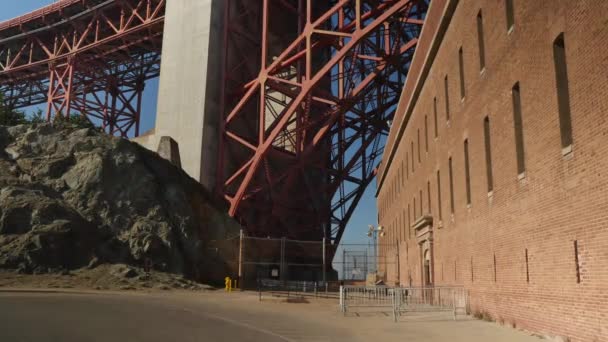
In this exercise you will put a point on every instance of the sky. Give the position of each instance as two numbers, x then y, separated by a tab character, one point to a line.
366	212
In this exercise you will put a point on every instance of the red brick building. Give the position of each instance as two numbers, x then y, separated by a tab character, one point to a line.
495	175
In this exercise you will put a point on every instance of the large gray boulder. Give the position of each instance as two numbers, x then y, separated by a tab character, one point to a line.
70	196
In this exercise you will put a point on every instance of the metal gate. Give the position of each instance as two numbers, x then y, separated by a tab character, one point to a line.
400	300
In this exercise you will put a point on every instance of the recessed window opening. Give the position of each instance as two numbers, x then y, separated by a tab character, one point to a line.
494	267
435	116
472	278
403	228
414	208
428	196
451	185
527	268
409	220
563	92
407	165
467	171
519	129
578	270
420	196
488	148
461	65
419	159
412	150
510	14
447	99
439	194
426	134
482	52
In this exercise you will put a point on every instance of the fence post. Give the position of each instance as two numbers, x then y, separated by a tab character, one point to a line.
240	275
342	306
259	290
282	259
394	295
324	269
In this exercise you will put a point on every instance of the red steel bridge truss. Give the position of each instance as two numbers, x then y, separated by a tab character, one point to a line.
90	57
303	135
309	90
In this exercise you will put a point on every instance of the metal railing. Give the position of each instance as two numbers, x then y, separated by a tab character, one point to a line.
404	299
288	288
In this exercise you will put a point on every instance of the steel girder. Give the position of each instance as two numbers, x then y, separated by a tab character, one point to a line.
86	57
302	136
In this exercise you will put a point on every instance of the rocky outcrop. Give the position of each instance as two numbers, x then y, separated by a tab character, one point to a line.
70	198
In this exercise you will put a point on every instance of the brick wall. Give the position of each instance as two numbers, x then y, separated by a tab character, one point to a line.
562	197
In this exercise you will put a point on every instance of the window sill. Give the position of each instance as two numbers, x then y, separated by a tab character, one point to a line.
511	29
490	194
567	151
482	71
521	176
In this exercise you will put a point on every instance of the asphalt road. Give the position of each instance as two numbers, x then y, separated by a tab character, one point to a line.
218	316
35	317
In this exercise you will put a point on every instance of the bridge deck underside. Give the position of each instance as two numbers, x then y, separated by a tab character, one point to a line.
89	57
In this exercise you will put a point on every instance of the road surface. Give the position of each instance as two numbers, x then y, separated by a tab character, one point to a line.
216	316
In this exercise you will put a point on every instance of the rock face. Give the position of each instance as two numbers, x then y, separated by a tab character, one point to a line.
76	197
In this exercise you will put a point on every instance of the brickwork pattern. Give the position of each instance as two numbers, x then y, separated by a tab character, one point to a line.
513	248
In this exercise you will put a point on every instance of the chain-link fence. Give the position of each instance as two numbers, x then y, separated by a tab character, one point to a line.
251	259
367	263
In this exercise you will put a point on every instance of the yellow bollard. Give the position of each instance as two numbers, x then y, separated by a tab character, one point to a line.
228	283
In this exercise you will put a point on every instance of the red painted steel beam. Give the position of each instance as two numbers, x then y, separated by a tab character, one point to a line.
323	102
84	57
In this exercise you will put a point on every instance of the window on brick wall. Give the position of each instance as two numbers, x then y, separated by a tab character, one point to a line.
409	220
461	68
428	196
418	137
467	171
412	150
404	224
447	98
482	51
563	93
519	129
396	181
407	165
510	14
420	197
451	175
414	212
400	226
439	194
435	116
426	133
488	148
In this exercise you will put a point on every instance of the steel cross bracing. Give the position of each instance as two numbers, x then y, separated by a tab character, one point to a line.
84	57
302	133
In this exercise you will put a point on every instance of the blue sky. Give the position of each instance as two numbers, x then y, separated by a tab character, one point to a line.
366	212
